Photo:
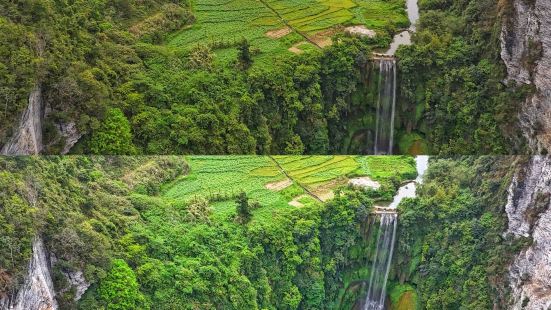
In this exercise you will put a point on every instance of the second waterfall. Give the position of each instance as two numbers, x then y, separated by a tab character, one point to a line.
386	106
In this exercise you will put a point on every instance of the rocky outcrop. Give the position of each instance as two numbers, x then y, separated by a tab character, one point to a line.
526	51
37	292
75	280
27	139
70	134
529	214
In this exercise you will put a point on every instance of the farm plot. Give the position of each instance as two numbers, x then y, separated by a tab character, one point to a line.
222	23
274	26
221	178
319	172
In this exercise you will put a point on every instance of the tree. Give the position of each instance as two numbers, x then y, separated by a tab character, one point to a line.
295	146
199	211
113	137
244	54
243	208
200	57
120	290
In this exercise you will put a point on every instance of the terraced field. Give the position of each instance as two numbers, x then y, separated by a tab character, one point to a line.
274	26
220	178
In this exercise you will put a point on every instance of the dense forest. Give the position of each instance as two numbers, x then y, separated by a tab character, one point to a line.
116	71
145	236
452	247
454	74
116	219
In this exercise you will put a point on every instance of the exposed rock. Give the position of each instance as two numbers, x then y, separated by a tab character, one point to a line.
364	182
27	139
530	273
526	51
37	292
361	31
75	279
70	134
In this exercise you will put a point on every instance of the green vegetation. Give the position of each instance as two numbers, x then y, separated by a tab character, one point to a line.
201	232
190	78
451	248
452	89
274	26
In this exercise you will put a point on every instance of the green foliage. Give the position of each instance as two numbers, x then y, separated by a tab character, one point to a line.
451	247
243	209
244	57
177	244
113	136
119	290
453	75
182	88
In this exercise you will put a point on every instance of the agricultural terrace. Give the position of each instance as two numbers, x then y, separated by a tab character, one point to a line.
279	26
264	179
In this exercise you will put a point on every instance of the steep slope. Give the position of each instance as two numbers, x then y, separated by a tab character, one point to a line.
529	215
526	51
37	292
27	139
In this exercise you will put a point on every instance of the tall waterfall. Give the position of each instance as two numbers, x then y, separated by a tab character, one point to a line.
376	292
386	106
386	237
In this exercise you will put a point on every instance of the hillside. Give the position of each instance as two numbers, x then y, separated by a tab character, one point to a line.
244	77
176	223
288	232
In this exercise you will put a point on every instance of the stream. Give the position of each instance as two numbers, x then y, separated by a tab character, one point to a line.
404	37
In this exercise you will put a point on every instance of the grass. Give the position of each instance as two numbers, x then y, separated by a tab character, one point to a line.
382	167
403	297
317	171
221	178
228	21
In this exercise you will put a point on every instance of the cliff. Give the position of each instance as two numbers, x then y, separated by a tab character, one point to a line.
529	214
526	51
27	139
37	292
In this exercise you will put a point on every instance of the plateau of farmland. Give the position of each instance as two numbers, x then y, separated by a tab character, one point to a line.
278	26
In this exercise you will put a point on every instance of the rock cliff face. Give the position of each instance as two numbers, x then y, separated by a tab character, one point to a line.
37	292
526	51
529	213
27	139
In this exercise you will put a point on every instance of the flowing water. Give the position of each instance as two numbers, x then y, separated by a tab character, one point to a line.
386	105
386	237
404	37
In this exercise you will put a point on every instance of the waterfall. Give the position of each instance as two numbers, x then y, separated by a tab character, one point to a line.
386	236
386	106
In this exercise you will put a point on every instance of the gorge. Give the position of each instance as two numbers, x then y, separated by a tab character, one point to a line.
496	207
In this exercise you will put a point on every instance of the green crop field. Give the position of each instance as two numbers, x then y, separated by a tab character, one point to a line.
221	178
221	23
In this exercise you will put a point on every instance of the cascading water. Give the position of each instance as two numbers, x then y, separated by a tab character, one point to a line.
386	106
376	292
386	237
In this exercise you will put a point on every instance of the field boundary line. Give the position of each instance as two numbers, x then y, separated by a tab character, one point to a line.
289	25
309	192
